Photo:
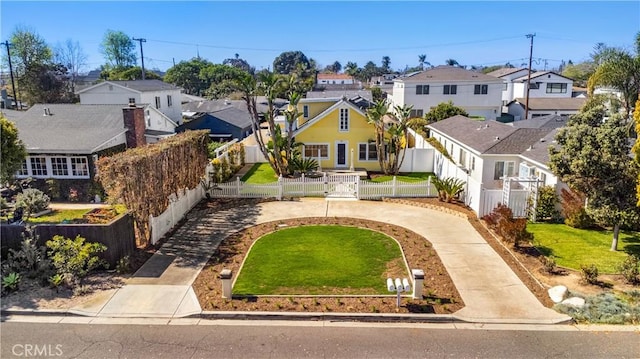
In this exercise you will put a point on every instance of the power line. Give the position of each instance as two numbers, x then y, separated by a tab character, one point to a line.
526	110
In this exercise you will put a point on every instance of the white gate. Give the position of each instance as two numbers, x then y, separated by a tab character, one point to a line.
342	186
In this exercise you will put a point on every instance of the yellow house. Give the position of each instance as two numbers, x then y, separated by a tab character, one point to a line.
335	131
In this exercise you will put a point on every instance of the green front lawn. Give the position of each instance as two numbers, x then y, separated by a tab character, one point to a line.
56	216
410	177
319	260
573	247
260	173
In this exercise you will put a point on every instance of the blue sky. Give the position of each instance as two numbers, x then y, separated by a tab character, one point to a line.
473	33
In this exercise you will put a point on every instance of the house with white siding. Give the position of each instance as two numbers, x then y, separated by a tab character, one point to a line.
162	101
507	75
478	94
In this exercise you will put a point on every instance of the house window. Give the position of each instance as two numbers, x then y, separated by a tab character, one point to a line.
157	101
39	166
311	150
367	151
24	170
79	167
305	111
344	119
534	85
462	158
169	101
554	87
504	169
450	89
504	86
422	89
480	89
416	113
59	166
473	163
132	100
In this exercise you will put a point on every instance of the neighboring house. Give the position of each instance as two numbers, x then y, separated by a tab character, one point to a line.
334	79
507	75
224	121
191	98
165	98
487	152
385	81
63	141
335	131
544	84
545	106
365	94
476	93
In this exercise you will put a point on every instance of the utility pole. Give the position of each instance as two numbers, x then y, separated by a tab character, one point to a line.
141	53
13	84
526	105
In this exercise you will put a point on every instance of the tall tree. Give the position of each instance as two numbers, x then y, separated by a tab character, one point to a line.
46	83
334	67
579	72
386	61
239	63
186	74
451	62
222	79
636	146
375	116
592	157
619	69
118	49
351	68
131	73
443	111
422	60
13	150
28	47
71	55
288	61
398	134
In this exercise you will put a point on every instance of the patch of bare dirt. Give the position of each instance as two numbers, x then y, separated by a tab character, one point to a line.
440	294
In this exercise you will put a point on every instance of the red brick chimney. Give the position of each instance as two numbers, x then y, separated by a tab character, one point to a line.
134	123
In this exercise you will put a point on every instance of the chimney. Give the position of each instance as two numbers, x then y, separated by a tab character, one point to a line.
134	123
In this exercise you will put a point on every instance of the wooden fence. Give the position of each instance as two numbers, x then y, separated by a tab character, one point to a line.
118	236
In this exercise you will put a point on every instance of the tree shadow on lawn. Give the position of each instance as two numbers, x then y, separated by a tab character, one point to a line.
632	243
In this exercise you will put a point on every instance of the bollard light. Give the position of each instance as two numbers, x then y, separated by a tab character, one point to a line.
398	286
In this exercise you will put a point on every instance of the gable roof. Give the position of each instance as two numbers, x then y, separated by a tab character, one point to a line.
135	86
73	129
539	151
488	137
326	112
549	121
448	73
537	74
334	76
551	103
233	116
365	94
505	71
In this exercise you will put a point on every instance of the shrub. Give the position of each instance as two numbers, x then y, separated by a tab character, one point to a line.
546	204
123	265
56	280
212	147
512	230
448	188
630	269
32	201
575	215
605	308
53	187
30	259
73	258
304	165
589	273
439	147
549	264
11	282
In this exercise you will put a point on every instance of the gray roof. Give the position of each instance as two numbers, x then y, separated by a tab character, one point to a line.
549	121
234	116
211	106
505	71
539	150
73	129
448	73
138	85
539	74
11	115
365	94
488	137
551	103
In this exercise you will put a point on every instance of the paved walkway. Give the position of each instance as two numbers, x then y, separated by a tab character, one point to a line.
162	287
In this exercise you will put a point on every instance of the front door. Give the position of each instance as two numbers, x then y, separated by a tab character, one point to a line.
342	155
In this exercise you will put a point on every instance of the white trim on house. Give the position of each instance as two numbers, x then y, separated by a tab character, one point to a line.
315	155
326	112
49	167
346	153
107	83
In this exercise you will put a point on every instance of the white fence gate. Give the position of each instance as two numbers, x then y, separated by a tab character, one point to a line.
179	205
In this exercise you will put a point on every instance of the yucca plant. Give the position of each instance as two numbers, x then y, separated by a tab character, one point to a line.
304	165
448	188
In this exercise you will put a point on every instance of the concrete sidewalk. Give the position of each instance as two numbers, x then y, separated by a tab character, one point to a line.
162	287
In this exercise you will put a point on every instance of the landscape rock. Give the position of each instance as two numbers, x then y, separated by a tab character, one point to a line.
558	293
574	301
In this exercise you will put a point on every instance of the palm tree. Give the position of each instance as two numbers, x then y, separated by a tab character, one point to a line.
451	62
375	116
386	61
621	70
399	136
422	59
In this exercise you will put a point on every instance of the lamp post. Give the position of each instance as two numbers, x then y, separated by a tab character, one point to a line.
398	286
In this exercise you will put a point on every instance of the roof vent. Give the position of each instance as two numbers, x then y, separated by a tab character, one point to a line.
47	112
542	140
497	138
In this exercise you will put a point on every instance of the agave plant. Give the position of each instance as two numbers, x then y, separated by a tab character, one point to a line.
448	188
304	165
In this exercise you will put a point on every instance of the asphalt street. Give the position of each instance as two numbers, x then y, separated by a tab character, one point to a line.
309	340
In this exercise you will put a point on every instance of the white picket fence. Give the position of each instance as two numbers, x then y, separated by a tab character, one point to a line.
325	186
518	201
179	205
